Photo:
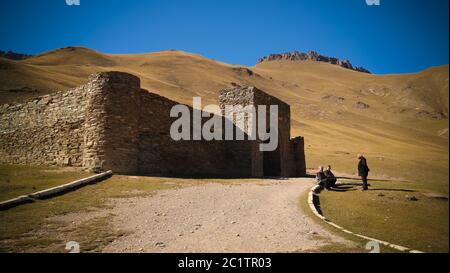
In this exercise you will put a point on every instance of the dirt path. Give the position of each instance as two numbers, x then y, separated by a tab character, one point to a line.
263	217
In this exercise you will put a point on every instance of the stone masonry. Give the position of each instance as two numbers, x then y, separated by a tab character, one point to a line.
288	160
110	123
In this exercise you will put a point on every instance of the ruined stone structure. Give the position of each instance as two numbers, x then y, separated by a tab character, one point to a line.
110	123
288	159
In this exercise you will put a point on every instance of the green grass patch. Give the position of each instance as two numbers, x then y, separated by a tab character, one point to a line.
23	180
358	245
386	212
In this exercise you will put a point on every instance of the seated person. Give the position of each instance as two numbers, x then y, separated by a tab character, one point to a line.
322	179
331	179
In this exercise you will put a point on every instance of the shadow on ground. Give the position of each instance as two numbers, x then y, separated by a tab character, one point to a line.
346	187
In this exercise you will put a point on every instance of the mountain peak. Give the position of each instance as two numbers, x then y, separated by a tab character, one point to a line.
312	56
14	56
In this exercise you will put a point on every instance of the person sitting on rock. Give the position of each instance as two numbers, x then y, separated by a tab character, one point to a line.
331	179
322	179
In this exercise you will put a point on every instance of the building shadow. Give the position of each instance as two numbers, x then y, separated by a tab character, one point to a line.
345	187
370	179
400	190
212	177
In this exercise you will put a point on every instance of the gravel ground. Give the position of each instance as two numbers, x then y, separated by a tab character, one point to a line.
251	217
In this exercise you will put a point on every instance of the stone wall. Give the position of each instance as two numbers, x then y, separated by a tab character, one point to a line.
288	159
248	151
47	130
299	158
159	154
278	162
111	123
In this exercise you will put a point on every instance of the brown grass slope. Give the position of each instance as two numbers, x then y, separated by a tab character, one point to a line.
399	121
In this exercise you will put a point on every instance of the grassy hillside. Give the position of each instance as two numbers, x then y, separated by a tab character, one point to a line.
399	121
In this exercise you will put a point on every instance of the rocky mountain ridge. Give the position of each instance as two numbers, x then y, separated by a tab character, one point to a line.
14	56
312	56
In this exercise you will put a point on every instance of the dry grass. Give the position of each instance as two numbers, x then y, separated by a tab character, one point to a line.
386	213
22	180
358	246
30	228
36	227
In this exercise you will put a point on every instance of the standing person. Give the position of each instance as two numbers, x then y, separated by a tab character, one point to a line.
363	171
331	179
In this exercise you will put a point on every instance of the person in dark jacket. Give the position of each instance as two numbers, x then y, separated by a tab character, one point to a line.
322	179
363	171
331	179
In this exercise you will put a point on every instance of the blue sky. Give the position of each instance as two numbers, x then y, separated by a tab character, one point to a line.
399	36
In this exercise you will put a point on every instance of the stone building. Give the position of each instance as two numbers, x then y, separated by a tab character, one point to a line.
110	123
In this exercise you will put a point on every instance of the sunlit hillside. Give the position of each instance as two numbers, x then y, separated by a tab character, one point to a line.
399	121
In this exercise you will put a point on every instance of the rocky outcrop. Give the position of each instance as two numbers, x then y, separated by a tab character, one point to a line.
362	105
14	56
312	56
244	71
